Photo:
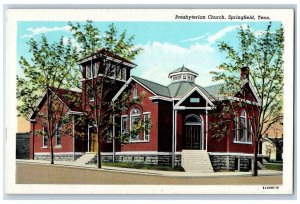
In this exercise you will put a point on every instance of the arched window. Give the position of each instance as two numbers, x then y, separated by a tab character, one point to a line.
243	126
193	120
135	115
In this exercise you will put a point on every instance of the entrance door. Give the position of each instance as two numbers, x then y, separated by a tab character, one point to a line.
94	142
193	132
92	139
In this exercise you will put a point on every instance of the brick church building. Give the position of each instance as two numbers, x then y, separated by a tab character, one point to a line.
180	116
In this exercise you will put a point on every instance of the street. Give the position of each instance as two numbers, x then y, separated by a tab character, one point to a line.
46	174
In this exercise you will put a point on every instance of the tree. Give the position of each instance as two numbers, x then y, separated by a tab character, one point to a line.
49	69
108	47
262	53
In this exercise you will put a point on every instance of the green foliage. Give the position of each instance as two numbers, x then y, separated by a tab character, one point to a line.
274	166
113	49
262	53
51	65
90	40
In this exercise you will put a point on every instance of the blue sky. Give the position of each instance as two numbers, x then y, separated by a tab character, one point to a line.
166	45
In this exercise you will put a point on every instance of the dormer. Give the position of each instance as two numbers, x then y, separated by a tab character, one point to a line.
182	74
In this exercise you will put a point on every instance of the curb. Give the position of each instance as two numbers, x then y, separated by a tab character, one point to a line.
158	173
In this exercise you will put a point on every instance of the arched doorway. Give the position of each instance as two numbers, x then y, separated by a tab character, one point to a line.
193	132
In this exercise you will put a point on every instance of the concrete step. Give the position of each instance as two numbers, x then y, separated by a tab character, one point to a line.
85	159
199	170
196	161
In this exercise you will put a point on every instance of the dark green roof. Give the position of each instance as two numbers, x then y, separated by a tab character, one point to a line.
182	69
178	89
214	90
154	87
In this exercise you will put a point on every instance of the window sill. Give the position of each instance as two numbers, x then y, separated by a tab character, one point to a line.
139	141
239	142
45	147
58	147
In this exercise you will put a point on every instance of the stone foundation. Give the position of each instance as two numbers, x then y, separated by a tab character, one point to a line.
231	162
161	160
57	157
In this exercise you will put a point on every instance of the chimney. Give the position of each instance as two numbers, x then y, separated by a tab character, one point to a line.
244	73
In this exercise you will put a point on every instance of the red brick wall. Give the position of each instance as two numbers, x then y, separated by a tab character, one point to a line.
36	141
147	106
227	144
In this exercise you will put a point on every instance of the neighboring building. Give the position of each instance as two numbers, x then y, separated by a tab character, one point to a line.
23	145
179	134
22	139
271	145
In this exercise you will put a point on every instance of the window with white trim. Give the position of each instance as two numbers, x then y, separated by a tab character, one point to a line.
235	129
58	134
45	138
243	127
135	93
250	131
110	69
194	100
88	72
146	126
124	124
119	72
123	77
96	69
134	123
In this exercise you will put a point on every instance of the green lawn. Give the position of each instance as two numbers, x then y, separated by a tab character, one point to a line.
142	166
275	166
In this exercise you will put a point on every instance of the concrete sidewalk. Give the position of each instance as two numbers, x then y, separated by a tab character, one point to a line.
71	164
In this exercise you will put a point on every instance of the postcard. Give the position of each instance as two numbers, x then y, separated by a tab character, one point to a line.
149	101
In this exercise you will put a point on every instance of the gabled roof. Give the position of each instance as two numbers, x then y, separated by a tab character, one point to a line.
154	87
194	89
214	90
72	99
175	90
182	69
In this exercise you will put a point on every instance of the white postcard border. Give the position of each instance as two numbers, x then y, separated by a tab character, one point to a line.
15	15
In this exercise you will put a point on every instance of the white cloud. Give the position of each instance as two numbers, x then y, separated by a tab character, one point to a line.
39	30
220	34
210	39
74	43
195	38
157	60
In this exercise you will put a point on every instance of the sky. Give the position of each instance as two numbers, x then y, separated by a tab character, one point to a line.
166	45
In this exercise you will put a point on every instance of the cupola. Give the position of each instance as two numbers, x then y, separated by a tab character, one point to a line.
182	74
